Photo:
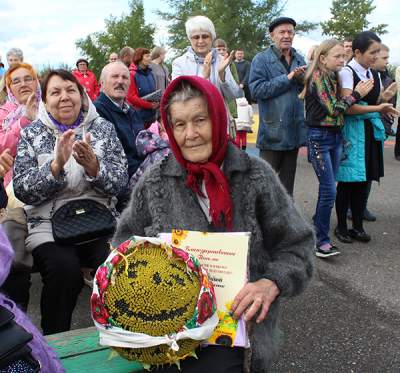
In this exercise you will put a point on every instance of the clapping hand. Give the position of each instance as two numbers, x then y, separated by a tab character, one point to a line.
6	162
63	152
297	71
255	298
84	155
31	107
389	92
389	110
207	65
364	87
224	63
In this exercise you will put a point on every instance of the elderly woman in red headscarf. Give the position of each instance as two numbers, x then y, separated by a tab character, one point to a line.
207	184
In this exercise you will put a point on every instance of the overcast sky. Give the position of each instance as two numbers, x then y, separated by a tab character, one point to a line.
46	30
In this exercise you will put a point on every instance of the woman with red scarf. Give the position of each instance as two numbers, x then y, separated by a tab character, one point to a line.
207	184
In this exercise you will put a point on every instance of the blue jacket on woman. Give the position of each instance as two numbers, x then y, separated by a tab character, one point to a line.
352	165
280	109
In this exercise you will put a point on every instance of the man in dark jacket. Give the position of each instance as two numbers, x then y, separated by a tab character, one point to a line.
243	70
275	82
111	105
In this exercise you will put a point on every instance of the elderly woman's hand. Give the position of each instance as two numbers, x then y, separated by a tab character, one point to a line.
84	155
255	297
6	162
224	63
63	152
207	66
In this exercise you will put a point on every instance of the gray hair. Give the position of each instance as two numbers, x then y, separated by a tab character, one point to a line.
104	71
124	51
183	92
16	52
199	23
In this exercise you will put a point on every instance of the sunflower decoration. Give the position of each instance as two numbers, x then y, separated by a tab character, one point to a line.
178	235
153	303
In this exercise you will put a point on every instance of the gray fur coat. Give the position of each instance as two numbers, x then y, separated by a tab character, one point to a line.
281	246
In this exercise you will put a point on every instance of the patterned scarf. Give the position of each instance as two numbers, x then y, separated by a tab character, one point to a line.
214	67
210	173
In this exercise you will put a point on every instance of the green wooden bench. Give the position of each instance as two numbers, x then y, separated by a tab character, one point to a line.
79	351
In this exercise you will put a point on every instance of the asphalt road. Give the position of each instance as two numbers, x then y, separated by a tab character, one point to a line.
348	320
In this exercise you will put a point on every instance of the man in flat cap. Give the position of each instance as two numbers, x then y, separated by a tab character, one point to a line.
276	76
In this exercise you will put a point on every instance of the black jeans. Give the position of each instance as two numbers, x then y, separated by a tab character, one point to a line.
211	359
60	268
284	163
353	195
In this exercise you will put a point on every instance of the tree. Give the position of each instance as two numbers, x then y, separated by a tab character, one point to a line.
349	17
241	23
127	30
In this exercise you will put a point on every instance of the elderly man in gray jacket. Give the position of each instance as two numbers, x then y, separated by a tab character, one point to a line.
275	82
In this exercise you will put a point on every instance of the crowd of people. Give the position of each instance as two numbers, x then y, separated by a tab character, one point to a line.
145	150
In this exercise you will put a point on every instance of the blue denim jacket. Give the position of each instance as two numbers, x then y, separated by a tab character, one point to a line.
280	109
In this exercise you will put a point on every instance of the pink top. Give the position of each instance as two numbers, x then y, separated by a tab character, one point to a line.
10	133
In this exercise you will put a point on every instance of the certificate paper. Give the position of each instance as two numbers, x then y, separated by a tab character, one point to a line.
224	255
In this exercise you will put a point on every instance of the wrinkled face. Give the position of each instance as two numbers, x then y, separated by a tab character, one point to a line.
113	57
82	67
116	82
146	59
22	85
370	56
201	42
334	59
382	60
283	36
63	100
192	129
239	55
12	59
348	49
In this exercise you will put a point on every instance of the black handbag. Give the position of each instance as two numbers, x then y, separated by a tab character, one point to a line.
13	343
82	221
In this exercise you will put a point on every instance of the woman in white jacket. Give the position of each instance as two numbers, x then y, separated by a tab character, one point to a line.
202	60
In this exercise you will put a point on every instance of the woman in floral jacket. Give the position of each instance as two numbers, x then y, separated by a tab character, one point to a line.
69	153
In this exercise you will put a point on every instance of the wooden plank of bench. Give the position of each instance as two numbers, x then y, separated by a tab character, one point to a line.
100	362
79	351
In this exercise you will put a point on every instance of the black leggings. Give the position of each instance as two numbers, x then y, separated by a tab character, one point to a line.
60	268
352	194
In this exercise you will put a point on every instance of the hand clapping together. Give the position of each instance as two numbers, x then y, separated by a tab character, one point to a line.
81	150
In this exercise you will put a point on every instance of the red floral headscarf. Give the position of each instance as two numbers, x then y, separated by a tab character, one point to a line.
217	186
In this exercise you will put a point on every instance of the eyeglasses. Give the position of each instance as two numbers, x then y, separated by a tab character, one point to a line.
26	79
201	36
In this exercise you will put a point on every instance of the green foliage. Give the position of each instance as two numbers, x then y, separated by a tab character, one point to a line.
126	30
349	17
43	70
241	23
